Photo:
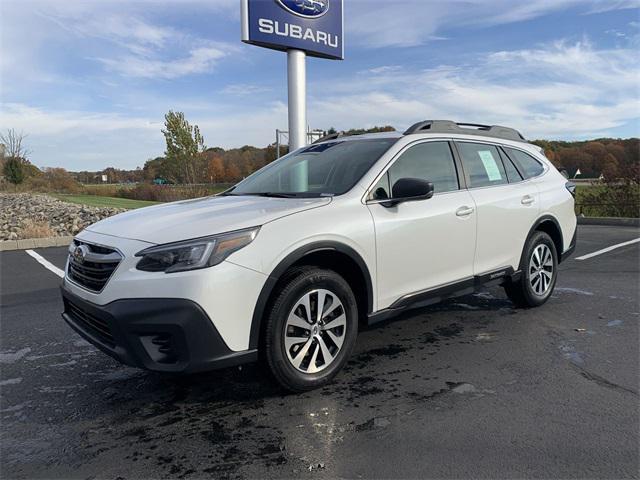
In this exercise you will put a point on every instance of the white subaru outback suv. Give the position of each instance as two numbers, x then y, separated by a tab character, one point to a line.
285	265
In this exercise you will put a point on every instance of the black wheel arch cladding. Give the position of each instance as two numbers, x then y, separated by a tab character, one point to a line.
551	226
299	256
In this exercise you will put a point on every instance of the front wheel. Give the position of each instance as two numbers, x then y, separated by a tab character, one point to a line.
539	267
311	328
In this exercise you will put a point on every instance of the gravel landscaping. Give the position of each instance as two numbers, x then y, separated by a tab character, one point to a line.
27	215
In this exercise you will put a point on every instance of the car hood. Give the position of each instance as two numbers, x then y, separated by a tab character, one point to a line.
172	222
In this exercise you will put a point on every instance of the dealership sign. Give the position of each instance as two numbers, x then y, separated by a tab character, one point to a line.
313	26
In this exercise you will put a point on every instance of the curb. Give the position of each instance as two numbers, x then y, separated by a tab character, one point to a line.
8	245
609	221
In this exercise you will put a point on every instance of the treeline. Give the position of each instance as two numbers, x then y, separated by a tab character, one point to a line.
214	165
607	157
187	161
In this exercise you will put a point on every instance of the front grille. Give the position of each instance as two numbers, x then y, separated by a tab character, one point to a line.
98	265
96	326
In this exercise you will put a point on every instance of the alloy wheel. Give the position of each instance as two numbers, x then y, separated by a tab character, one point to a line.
315	331
541	269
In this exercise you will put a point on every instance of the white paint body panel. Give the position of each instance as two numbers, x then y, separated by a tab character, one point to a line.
422	245
411	247
171	222
503	224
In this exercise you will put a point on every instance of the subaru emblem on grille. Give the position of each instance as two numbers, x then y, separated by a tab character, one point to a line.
80	253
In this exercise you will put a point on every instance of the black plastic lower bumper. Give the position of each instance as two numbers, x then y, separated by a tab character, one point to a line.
159	334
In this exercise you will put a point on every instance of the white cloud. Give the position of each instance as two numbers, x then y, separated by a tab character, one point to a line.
244	89
123	30
199	60
80	140
607	6
383	69
38	121
117	35
408	23
560	90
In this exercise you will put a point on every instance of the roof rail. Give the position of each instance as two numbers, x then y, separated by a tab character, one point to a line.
448	126
331	136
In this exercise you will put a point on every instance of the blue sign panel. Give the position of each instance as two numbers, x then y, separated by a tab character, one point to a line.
315	26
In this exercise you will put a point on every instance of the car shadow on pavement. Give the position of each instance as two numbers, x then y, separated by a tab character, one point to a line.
253	382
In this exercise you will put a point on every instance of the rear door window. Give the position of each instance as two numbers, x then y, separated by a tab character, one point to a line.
482	164
528	165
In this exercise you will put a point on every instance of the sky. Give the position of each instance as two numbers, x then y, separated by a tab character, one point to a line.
89	82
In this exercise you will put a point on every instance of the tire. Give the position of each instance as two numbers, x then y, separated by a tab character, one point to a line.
328	341
534	287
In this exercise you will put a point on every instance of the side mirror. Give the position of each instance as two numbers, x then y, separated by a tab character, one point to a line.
409	190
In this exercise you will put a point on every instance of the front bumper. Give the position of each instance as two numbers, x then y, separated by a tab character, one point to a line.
159	334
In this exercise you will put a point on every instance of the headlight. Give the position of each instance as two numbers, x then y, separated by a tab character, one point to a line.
192	254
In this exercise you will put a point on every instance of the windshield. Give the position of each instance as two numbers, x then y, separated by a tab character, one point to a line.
331	168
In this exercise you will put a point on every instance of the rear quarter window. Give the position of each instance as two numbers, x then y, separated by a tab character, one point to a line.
529	166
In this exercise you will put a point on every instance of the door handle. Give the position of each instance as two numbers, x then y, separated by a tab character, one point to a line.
527	200
464	211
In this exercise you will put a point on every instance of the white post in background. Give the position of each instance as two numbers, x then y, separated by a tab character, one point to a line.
297	90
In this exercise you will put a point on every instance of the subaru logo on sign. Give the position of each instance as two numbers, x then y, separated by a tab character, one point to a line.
306	8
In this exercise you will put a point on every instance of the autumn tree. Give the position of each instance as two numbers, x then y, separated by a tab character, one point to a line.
185	146
233	173
215	169
609	167
53	180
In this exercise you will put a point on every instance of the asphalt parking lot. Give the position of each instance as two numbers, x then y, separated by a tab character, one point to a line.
468	388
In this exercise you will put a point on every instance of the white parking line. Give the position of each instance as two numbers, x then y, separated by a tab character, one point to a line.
608	249
46	263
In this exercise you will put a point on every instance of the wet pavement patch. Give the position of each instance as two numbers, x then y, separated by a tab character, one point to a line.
373	423
449	331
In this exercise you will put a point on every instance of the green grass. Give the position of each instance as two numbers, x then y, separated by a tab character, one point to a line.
98	201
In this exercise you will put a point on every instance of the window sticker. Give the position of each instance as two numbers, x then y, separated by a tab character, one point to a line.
490	165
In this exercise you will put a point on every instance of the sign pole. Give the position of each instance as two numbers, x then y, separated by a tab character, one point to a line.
297	89
297	93
301	28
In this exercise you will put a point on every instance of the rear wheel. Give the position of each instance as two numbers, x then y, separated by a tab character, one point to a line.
539	267
311	328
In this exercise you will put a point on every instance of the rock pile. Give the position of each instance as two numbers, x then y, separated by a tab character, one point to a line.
27	215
